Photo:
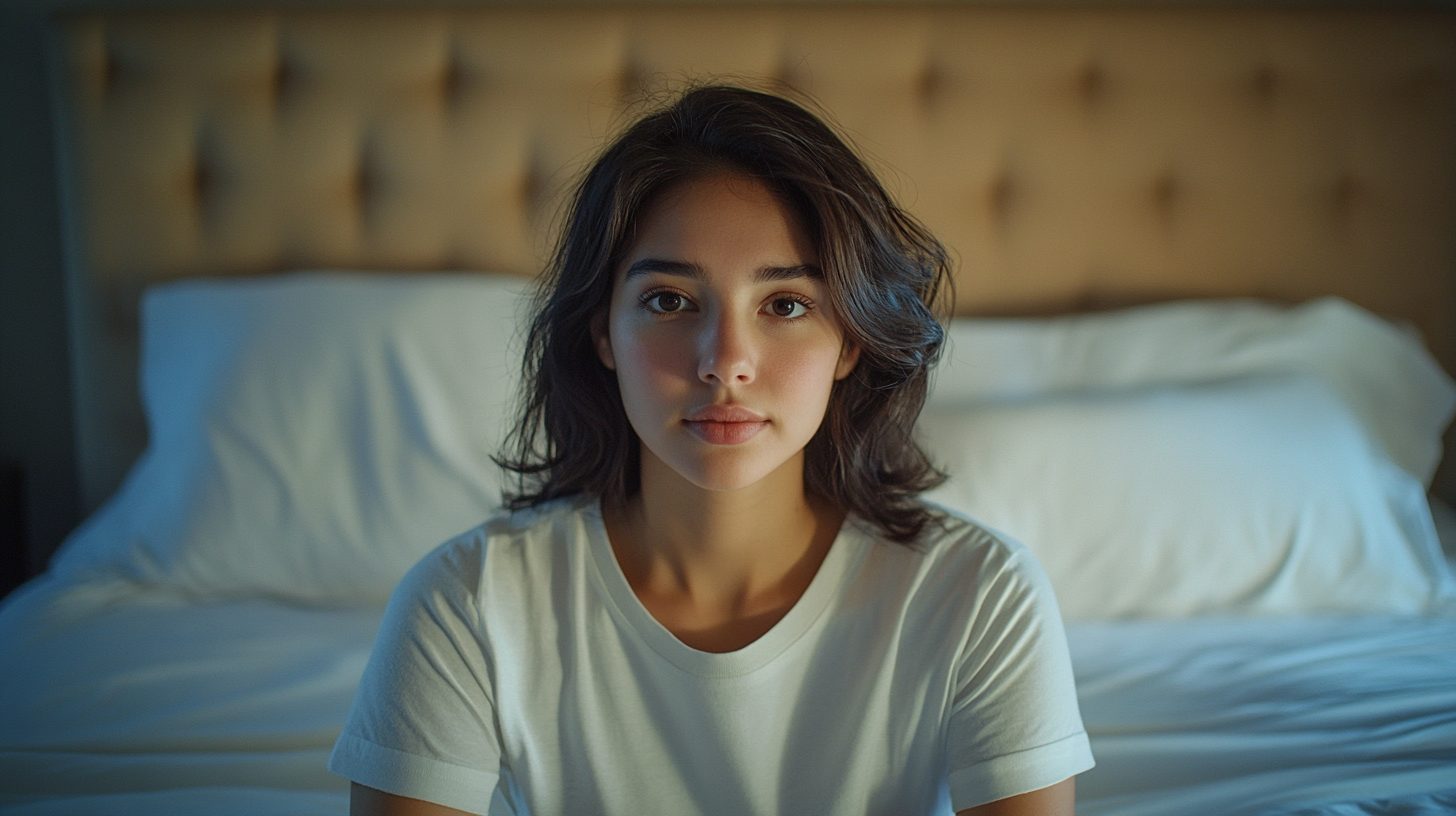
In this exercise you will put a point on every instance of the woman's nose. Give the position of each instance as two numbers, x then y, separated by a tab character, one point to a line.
726	352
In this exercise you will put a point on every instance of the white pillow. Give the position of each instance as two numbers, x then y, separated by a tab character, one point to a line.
1256	496
1382	373
312	435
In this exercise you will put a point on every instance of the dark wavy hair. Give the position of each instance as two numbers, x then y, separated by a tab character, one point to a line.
885	275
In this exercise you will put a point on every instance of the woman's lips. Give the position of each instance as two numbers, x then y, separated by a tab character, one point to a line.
725	424
725	433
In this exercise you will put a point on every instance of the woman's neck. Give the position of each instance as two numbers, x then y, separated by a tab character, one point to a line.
720	568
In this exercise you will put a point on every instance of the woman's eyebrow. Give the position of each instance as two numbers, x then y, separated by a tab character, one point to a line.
779	273
680	268
685	269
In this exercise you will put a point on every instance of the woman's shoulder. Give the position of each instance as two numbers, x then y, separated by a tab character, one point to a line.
512	540
955	549
952	533
547	518
970	572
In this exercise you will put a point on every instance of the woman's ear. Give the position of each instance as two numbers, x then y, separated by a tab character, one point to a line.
602	339
848	358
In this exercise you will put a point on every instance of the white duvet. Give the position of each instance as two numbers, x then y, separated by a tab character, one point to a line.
119	703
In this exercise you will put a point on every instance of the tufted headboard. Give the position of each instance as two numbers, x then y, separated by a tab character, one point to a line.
1071	157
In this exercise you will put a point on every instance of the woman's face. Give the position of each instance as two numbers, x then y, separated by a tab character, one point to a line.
721	333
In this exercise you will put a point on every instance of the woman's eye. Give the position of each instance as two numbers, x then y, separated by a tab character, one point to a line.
788	307
665	302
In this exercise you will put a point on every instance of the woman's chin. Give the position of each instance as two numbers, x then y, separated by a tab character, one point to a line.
727	484
758	463
731	474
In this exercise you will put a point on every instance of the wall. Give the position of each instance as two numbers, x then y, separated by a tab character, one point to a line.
36	430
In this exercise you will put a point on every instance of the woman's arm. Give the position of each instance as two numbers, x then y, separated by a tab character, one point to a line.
1057	800
366	801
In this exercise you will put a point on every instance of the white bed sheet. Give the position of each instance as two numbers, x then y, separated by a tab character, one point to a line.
1274	716
122	702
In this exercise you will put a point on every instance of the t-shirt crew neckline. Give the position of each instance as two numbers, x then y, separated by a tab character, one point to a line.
844	556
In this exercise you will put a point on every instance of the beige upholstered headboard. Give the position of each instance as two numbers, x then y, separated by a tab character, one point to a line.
1071	157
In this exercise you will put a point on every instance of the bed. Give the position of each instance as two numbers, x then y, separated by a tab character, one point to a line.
300	243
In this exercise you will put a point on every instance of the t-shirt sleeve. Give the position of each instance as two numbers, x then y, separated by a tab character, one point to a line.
1014	724
423	723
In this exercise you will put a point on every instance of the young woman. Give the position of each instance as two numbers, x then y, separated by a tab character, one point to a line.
717	591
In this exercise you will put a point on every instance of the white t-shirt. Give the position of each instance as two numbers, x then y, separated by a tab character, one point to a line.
904	681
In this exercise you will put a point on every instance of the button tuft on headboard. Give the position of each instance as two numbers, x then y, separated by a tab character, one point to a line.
928	85
1000	197
110	68
633	82
1167	194
787	72
366	181
285	78
1346	195
202	182
204	175
1265	84
1091	84
452	81
531	189
110	73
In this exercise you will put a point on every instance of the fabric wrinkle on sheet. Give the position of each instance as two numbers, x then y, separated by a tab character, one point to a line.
1250	717
140	701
